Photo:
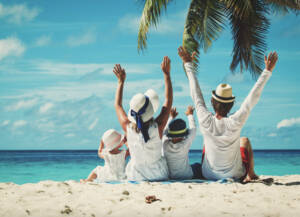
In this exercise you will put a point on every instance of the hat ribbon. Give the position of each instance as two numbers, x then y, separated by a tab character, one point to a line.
139	120
177	131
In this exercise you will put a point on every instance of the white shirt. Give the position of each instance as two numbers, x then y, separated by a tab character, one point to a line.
146	162
177	154
222	137
114	167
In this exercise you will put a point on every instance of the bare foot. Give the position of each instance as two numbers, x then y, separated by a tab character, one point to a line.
251	177
83	181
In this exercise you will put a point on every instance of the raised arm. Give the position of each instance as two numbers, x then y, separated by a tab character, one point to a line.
251	100
165	111
173	114
202	113
192	126
122	116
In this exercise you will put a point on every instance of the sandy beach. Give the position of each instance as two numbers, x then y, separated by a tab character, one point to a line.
70	198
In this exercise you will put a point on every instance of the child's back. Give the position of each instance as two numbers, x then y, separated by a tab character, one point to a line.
114	166
176	145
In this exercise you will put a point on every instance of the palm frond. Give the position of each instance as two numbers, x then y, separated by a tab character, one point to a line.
204	23
284	6
150	16
249	33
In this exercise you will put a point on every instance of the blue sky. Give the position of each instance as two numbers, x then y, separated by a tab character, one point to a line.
57	87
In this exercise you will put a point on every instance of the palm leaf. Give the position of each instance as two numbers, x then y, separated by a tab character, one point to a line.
249	32
150	16
204	23
284	6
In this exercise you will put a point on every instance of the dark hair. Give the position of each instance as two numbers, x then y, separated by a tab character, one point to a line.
221	108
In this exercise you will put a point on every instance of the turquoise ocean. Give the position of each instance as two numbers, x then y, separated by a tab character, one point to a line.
33	166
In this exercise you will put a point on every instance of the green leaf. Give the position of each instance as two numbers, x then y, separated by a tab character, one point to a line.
150	17
204	23
249	32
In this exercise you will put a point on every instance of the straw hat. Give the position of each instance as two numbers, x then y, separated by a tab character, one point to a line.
153	96
177	128
111	139
223	93
137	102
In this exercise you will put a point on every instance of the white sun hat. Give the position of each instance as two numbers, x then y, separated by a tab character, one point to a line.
153	96
111	139
137	103
223	93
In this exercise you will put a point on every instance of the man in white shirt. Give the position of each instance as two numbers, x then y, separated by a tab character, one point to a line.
226	154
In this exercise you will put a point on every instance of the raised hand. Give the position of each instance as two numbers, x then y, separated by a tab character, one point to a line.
120	73
173	112
189	110
271	60
166	65
185	55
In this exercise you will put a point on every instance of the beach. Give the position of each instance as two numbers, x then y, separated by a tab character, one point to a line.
71	198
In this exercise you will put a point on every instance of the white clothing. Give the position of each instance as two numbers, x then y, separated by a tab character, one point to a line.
114	167
177	155
147	162
222	137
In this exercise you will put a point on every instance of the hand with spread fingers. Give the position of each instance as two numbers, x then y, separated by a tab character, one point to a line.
271	60
173	112
189	110
185	56
166	65
120	73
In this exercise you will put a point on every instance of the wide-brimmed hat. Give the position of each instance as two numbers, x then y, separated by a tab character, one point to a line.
177	128
111	139
153	96
138	103
223	93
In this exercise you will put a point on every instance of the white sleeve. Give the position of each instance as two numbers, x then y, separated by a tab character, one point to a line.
192	132
204	116
240	116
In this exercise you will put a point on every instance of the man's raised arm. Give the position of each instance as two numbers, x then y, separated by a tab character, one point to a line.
202	113
253	97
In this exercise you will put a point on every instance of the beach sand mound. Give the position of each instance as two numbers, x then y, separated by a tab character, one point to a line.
70	198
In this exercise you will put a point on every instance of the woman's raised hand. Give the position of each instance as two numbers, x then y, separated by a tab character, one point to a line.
166	65
120	73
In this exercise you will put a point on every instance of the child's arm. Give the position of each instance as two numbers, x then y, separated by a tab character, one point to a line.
101	146
173	114
122	116
192	126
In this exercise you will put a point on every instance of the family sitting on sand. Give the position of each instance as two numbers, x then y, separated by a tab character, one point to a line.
159	146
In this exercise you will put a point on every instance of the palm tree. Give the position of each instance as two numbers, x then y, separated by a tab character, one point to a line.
206	19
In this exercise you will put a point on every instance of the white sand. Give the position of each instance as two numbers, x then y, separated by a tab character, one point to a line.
49	198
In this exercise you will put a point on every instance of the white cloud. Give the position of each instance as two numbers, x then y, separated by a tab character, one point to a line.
92	126
19	123
46	107
22	104
5	123
172	23
11	46
272	135
88	37
70	135
18	13
234	78
43	41
288	122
